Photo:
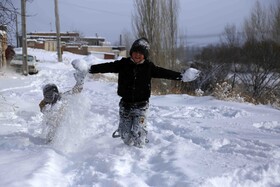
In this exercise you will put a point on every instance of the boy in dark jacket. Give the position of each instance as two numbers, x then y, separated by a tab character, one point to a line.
134	88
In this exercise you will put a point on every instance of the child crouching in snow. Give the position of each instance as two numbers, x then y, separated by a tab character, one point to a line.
51	106
134	88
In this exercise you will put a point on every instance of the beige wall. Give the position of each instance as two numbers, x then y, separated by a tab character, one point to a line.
106	49
123	53
50	45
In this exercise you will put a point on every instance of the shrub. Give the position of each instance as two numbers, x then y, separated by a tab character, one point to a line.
224	91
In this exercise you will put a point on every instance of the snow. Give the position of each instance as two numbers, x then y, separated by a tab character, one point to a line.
190	74
193	141
80	65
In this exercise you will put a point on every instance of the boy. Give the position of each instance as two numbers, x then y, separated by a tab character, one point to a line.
49	105
134	88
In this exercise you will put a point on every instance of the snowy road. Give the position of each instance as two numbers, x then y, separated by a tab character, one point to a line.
194	141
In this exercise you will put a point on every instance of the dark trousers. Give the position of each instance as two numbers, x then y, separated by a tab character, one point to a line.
132	126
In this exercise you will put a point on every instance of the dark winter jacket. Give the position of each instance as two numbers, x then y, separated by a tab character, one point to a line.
134	80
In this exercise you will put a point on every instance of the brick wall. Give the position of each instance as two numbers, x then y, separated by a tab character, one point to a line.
83	50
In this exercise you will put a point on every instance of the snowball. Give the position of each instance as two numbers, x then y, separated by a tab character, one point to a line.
80	65
190	75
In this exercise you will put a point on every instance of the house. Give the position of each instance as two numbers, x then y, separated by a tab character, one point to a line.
74	43
47	40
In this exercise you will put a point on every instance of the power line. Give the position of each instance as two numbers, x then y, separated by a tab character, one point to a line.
203	36
95	10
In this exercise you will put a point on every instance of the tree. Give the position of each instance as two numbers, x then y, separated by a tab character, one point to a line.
231	37
127	40
275	21
157	21
169	29
261	51
214	62
231	42
253	60
257	27
8	12
262	62
8	15
219	61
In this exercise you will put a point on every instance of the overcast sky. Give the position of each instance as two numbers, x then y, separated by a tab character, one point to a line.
110	18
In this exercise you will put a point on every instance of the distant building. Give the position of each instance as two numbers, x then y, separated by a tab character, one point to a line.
74	43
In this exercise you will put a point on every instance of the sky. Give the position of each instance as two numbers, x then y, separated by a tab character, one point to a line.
195	141
198	20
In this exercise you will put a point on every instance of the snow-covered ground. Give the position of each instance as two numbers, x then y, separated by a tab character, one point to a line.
194	141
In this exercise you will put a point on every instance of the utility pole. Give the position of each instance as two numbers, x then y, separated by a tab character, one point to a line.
24	42
57	24
120	40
